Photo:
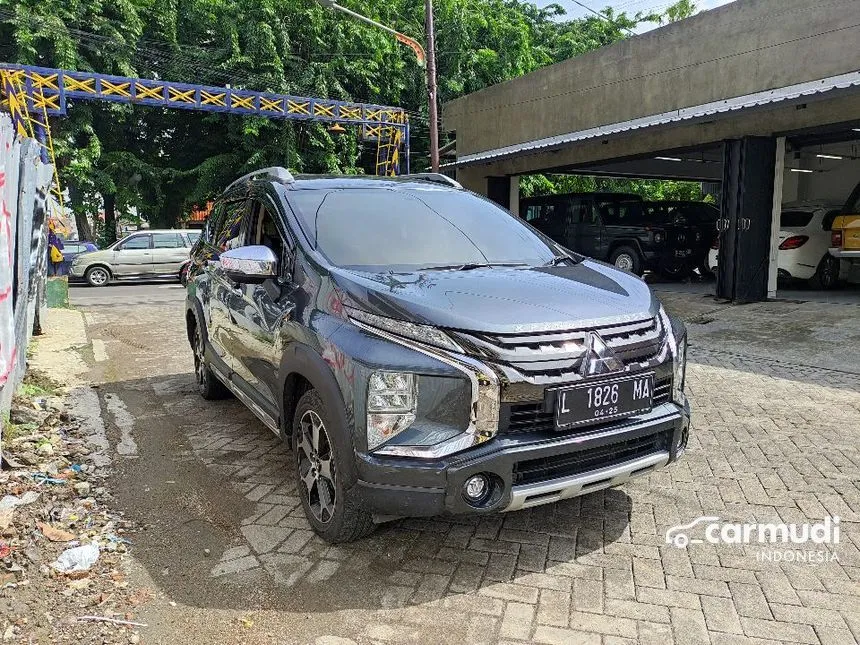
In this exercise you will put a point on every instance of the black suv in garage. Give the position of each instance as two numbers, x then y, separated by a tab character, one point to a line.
616	228
424	352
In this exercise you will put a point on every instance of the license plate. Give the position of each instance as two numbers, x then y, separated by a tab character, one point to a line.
683	253
603	400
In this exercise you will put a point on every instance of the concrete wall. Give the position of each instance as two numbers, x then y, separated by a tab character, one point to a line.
832	181
741	48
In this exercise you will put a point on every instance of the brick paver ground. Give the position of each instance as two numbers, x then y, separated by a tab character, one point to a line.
771	442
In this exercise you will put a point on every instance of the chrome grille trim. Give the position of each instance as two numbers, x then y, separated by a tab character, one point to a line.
556	355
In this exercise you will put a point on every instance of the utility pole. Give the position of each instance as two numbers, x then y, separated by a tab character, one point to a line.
425	60
430	33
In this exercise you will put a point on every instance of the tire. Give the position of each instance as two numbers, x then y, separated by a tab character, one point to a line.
333	507
678	271
208	385
827	274
627	259
97	276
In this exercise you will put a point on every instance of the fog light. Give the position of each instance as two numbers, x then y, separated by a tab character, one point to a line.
475	488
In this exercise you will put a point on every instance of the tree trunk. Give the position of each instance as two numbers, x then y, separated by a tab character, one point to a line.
110	218
85	231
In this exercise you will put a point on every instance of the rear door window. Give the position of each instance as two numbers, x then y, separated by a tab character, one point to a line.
795	219
167	241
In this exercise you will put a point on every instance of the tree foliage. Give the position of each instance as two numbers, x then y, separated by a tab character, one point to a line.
162	161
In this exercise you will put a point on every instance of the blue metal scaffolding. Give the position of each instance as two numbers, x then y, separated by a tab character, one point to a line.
48	91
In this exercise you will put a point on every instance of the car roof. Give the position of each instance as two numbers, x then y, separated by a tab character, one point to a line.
158	230
810	206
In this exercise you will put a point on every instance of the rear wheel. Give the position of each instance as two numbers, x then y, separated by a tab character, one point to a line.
97	276
626	259
333	510
675	270
208	385
827	274
183	275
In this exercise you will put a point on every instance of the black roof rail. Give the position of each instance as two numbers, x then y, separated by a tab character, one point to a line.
435	177
278	173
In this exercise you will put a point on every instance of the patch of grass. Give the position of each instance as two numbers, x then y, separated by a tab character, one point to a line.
14	430
38	384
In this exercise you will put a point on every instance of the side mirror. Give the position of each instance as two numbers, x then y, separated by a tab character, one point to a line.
249	264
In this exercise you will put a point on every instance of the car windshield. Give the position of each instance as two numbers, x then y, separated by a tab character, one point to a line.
378	229
795	219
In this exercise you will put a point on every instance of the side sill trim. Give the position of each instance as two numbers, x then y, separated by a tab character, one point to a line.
261	414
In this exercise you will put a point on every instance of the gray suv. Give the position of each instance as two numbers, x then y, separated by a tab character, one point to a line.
143	255
424	352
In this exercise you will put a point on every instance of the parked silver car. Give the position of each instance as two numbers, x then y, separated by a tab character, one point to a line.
143	255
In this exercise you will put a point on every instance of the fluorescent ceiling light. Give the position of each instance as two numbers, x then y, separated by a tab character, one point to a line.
800	170
856	129
828	156
668	158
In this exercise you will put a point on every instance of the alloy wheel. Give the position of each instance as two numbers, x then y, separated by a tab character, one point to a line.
316	466
98	276
624	262
828	273
199	365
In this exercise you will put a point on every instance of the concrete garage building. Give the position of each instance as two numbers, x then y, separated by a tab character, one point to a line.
749	96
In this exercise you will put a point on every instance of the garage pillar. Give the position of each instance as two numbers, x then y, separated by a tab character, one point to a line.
514	200
776	214
747	215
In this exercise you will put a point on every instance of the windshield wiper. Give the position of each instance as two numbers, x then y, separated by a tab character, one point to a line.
468	266
558	259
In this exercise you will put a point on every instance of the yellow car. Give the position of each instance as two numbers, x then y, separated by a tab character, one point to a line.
845	232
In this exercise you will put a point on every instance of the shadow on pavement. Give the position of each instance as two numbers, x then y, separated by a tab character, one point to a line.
208	475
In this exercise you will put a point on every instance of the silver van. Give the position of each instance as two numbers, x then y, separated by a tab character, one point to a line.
143	255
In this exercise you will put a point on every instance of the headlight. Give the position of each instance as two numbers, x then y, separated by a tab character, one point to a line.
420	333
392	400
678	350
679	371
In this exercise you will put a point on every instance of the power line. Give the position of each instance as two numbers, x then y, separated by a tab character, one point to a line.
603	16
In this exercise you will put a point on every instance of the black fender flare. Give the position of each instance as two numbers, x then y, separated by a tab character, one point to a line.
304	361
632	242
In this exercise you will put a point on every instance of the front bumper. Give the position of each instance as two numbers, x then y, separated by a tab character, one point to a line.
526	470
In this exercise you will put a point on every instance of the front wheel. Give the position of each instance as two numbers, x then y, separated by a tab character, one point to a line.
827	274
626	259
334	511
208	385
97	276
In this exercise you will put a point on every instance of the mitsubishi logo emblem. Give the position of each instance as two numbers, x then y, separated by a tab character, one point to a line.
599	357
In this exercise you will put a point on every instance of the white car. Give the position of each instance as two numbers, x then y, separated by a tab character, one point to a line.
804	243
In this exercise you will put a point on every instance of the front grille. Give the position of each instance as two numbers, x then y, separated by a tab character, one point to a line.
531	417
543	357
583	461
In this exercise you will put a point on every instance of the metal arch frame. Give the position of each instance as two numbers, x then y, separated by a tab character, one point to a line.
51	89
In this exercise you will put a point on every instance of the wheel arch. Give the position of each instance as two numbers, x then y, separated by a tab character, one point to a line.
99	265
301	369
631	242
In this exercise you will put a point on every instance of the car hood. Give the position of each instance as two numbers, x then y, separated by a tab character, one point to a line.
503	300
105	254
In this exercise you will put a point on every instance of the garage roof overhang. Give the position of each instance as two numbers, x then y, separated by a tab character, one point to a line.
802	92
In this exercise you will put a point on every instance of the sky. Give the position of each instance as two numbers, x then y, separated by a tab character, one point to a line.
628	6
